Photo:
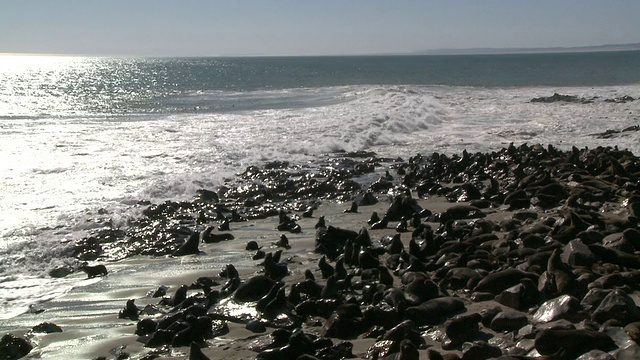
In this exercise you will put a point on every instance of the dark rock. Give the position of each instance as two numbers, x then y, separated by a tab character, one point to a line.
461	328
559	98
13	347
488	314
593	298
60	272
617	241
508	321
561	324
255	326
521	296
617	305
561	307
596	355
46	327
480	350
576	253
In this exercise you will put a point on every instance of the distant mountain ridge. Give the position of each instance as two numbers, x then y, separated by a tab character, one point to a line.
480	51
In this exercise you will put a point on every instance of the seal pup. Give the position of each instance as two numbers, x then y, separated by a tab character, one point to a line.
224	226
308	275
384	276
277	255
253	289
190	247
198	330
347	252
367	259
276	306
330	289
93	271
339	271
374	218
274	270
252	246
571	226
231	273
395	246
130	311
402	226
408	351
195	353
321	223
382	224
325	268
262	303
308	213
178	297
207	236
353	209
283	242
558	279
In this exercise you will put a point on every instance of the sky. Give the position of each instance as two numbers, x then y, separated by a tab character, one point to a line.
305	27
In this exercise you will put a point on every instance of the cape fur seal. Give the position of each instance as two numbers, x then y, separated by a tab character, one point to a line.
93	271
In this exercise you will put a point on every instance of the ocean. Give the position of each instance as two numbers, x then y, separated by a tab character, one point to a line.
84	139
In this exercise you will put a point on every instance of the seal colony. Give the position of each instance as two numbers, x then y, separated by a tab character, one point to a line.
526	252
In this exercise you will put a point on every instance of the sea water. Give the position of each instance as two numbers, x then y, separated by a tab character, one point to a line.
82	140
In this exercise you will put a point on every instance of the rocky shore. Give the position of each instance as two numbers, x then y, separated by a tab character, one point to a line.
526	252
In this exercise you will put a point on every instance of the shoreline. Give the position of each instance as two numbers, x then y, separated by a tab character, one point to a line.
88	315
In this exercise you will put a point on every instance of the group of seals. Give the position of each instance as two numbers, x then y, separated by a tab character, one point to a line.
560	266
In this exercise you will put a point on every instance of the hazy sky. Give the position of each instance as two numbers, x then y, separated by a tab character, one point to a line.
305	27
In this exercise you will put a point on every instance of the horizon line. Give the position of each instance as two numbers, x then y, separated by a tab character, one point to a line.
430	52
